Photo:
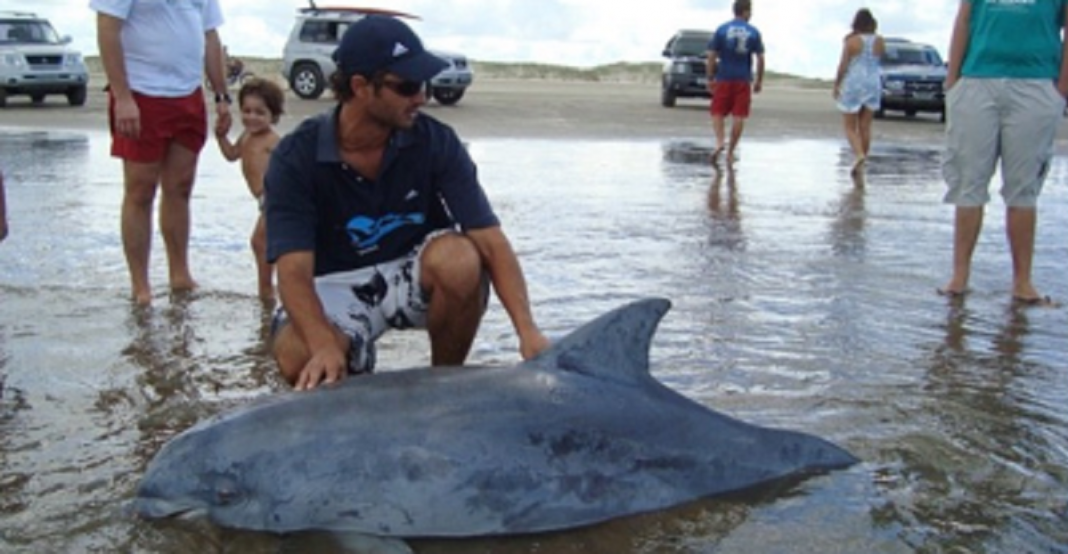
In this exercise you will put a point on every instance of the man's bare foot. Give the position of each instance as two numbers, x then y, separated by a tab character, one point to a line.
954	296
715	155
1027	295
142	297
183	284
954	288
1035	301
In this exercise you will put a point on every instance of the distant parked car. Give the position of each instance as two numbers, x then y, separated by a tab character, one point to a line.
307	61
35	61
913	76
684	74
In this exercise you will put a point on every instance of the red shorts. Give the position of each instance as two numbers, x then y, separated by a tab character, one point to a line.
183	120
731	98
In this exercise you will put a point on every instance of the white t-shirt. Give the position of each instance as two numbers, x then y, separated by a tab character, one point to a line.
163	42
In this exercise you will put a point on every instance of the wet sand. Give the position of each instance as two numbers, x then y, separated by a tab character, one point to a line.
497	108
801	300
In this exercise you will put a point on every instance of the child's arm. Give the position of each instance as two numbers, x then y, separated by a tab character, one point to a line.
231	151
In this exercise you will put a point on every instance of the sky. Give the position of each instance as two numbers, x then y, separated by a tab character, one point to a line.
801	37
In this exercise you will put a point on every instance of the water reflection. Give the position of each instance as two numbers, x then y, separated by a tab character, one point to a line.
993	485
726	220
847	230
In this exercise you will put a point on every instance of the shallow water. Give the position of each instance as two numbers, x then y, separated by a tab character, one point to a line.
800	300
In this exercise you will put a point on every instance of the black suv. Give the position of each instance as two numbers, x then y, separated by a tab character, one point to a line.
684	73
912	77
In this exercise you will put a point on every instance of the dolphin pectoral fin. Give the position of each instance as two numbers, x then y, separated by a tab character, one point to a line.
155	508
361	543
615	346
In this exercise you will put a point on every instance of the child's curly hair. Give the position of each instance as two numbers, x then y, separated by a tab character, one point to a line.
269	91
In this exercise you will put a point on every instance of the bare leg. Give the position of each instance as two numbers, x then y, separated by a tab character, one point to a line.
864	126
737	126
452	273
139	193
264	271
968	222
178	173
1020	228
851	122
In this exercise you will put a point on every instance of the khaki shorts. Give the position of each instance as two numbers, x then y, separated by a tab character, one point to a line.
1014	120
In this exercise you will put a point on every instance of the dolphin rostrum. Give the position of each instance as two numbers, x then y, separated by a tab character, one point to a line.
581	434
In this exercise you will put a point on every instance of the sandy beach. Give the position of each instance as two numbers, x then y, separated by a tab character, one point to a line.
522	108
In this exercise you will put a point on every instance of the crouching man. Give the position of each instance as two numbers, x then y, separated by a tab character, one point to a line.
376	220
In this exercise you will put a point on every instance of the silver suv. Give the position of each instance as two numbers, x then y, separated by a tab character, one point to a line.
35	61
307	61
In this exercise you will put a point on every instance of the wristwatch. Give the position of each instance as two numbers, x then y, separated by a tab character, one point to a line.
224	97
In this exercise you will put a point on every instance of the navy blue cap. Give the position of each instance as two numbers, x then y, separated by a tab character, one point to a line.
382	43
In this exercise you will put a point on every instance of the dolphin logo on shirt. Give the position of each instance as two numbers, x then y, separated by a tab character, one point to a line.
366	233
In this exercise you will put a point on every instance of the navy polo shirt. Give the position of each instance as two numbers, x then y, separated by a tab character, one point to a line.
316	202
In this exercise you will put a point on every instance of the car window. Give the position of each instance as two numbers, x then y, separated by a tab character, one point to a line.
904	56
325	32
12	31
932	56
691	45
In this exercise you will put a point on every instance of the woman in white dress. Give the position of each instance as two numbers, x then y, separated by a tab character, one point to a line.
857	85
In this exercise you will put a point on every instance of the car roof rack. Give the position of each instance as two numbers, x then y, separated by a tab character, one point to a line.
17	14
313	9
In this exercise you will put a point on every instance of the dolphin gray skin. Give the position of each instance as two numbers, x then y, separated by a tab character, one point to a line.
579	435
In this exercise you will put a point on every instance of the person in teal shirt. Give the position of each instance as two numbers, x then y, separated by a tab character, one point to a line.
1006	88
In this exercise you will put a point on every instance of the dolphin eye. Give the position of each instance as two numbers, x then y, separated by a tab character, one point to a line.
226	495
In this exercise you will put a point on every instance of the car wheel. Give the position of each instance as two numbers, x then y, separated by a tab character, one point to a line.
3	98
667	98
448	96
943	116
307	81
76	96
910	113
880	113
37	98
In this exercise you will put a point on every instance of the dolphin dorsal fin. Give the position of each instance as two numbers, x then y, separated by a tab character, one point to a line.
615	346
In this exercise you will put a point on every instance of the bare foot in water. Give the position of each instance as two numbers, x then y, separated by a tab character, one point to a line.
142	298
1027	295
183	284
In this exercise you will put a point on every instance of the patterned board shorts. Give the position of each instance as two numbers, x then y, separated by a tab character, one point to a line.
366	302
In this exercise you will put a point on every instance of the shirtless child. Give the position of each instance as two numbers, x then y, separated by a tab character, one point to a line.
261	103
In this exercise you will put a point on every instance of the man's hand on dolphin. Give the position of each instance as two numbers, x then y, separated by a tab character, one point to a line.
327	365
533	344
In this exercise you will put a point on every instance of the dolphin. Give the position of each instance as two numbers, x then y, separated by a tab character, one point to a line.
578	435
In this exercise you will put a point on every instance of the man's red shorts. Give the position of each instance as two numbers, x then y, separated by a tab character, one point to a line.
731	98
183	120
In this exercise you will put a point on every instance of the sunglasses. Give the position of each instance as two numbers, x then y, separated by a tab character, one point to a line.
406	89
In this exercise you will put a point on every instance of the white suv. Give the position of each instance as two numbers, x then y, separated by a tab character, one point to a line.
307	61
35	61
